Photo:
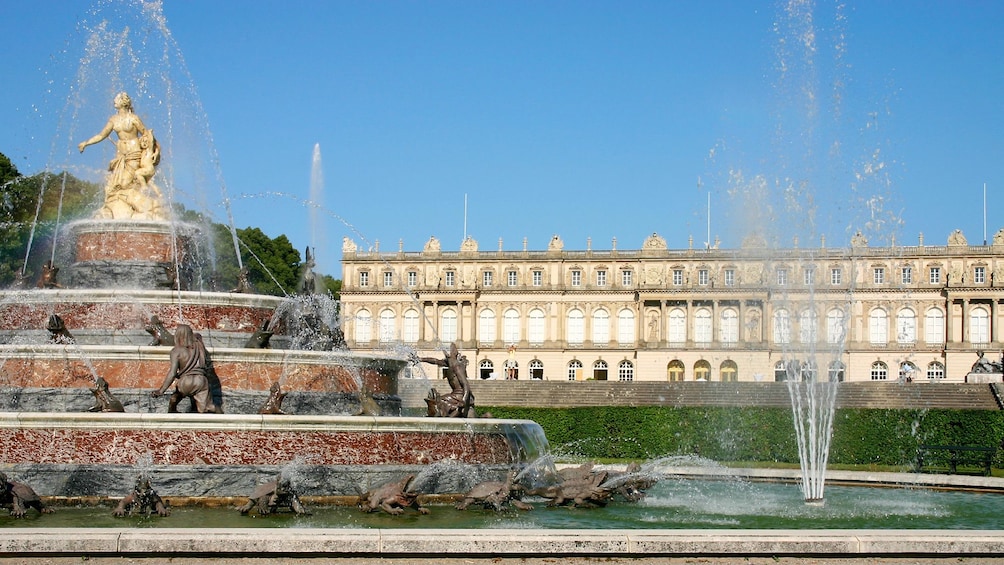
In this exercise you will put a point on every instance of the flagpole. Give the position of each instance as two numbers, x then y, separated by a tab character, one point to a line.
984	213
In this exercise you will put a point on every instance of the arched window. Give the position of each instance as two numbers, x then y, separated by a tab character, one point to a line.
906	326
702	326
808	371
601	327
836	329
729	371
486	369
880	371
576	327
625	327
448	326
702	371
836	372
780	371
600	370
537	370
677	326
907	371
728	331
878	327
510	326
979	326
486	326
807	326
410	330
388	326
625	371
782	327
535	333
935	370
934	326
575	370
364	327
675	370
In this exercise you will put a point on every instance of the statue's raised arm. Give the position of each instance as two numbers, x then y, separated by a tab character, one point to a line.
129	190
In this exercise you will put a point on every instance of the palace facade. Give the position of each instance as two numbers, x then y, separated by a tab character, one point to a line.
861	313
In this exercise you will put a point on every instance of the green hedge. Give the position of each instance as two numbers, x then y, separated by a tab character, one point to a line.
860	436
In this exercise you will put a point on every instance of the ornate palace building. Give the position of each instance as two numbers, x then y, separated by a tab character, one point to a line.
654	314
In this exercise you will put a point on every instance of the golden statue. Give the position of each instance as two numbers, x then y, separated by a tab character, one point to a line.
129	191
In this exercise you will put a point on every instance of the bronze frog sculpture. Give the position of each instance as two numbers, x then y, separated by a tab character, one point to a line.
143	500
19	497
392	497
273	496
104	400
495	495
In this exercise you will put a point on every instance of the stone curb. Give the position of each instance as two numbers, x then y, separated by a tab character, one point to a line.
464	542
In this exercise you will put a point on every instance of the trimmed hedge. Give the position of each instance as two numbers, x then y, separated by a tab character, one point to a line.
860	436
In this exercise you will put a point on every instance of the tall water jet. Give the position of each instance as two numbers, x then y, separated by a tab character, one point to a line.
318	238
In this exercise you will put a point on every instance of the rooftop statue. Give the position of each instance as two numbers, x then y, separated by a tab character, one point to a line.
130	193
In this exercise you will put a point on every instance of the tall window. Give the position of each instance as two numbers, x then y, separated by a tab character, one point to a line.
880	371
782	277
625	371
409	333
782	327
979	326
809	276
702	371
512	278
729	371
537	369
576	277
537	277
601	327
626	277
600	370
486	326
510	326
535	331
730	277
878	275
906	275
364	326
486	278
677	277
878	327
934	326
836	371
364	278
575	370
412	279
448	326
677	326
836	276
576	328
702	326
979	275
601	278
486	368
907	371
702	277
807	326
388	325
835	328
388	279
728	331
625	327
935	370
935	275
906	327
451	278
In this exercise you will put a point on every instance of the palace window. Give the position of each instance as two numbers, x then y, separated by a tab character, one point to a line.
625	371
448	326
935	370
836	276
880	371
677	277
934	327
626	277
388	325
729	371
575	370
364	278
907	370
835	328
979	326
878	327
600	370
510	326
364	327
677	326
730	277
388	279
601	278
486	326
601	327
675	370
906	327
906	275
702	371
728	331
935	275
538	277
576	328
979	275
451	278
486	369
537	370
535	331
409	333
576	277
878	275
836	372
412	279
782	277
486	278
809	276
702	277
702	326
512	278
807	326
625	327
782	327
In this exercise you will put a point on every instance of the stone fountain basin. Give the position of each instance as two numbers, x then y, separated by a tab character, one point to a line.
210	455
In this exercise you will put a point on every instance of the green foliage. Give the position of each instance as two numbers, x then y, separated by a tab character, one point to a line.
860	436
273	264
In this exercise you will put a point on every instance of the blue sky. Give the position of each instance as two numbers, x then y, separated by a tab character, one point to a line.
591	120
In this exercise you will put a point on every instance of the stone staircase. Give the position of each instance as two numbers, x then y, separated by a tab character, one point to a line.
561	394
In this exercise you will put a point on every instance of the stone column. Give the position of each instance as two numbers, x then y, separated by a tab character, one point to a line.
965	320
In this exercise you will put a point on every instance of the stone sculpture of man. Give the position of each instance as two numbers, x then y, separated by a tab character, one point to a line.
129	190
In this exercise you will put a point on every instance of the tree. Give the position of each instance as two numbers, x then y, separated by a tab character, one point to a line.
273	264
